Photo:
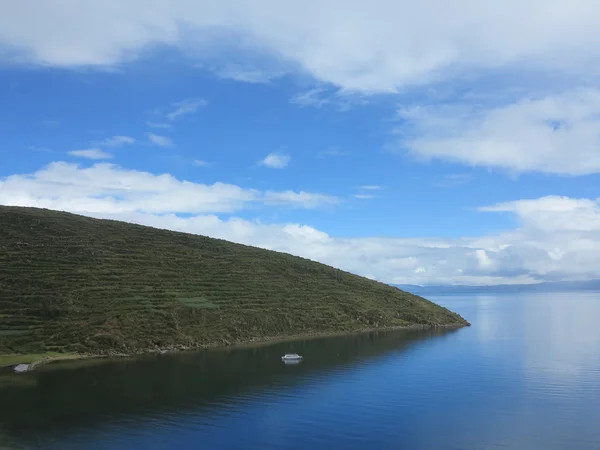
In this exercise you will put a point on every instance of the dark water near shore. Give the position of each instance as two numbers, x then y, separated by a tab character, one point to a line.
526	375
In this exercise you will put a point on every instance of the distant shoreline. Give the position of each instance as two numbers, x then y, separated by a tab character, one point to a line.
36	360
534	288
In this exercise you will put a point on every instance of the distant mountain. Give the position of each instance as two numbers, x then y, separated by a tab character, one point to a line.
558	286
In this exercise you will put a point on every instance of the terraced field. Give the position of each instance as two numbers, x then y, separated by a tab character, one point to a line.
74	284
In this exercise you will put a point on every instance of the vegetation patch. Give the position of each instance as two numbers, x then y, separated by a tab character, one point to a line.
198	302
13	360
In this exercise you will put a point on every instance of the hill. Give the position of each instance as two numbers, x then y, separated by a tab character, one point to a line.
70	283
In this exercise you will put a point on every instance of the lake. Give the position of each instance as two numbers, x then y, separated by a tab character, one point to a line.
525	375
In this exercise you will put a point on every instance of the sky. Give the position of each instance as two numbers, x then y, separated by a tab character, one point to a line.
409	142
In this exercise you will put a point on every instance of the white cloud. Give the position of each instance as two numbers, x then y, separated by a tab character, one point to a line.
91	153
303	199
200	163
554	213
557	238
185	107
116	141
276	160
371	187
161	141
364	196
107	188
380	45
554	134
367	191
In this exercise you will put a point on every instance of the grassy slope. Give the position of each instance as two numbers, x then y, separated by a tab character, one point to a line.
74	284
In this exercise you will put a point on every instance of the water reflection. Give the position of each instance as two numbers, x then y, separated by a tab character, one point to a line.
489	327
542	352
566	343
292	362
553	334
58	398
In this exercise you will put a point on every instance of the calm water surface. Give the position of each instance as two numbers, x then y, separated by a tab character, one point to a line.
526	375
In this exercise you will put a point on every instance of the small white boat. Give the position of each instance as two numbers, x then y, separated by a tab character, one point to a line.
21	368
291	357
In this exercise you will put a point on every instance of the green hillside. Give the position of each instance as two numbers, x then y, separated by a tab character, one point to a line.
74	284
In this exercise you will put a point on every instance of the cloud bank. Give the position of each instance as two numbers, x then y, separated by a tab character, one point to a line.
108	188
378	46
555	134
558	238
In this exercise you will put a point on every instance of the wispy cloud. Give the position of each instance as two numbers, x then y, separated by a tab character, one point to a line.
312	97
200	163
244	73
276	160
185	107
371	187
91	153
320	97
367	191
116	141
161	141
302	199
158	125
364	196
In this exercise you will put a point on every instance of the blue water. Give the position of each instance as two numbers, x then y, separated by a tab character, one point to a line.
525	375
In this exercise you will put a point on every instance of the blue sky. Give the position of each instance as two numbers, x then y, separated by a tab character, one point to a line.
401	142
